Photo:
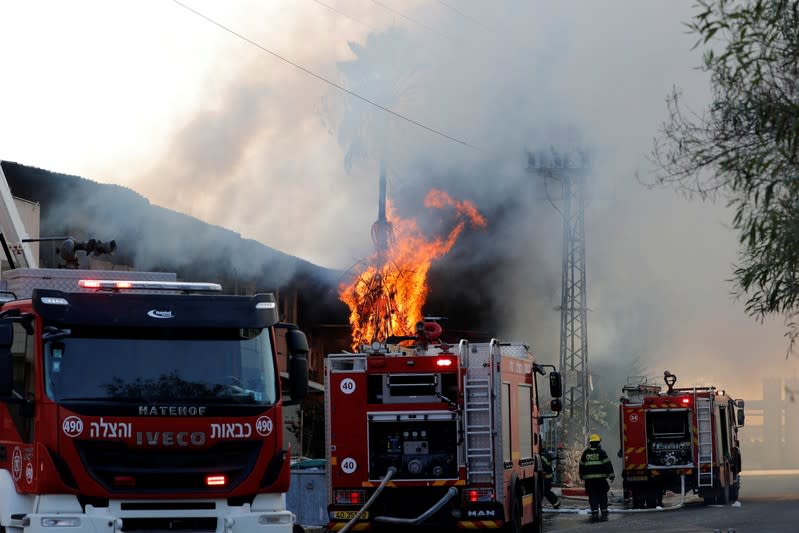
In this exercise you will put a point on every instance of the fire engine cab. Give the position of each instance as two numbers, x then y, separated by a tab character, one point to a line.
680	439
435	434
130	401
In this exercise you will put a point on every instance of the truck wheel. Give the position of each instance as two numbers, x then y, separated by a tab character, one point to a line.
537	525
639	502
717	496
514	523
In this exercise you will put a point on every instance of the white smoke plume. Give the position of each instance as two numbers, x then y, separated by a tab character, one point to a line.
276	155
294	163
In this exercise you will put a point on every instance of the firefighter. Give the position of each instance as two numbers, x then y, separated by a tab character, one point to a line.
596	470
552	498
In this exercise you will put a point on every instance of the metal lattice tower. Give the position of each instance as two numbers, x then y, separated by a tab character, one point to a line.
571	171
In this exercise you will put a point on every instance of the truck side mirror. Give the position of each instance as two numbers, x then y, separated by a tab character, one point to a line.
297	345
739	404
555	405
6	368
740	417
555	385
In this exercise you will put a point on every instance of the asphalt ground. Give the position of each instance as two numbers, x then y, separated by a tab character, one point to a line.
769	502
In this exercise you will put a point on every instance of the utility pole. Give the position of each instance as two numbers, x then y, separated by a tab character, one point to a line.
570	170
382	235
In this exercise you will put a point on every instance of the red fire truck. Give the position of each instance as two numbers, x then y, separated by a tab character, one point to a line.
133	402
435	435
683	435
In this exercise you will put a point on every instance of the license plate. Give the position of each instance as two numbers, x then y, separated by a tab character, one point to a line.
348	515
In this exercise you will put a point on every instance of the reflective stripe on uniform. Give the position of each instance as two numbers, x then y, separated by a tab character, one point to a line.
594	463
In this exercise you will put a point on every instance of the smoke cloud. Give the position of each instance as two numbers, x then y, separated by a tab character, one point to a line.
283	158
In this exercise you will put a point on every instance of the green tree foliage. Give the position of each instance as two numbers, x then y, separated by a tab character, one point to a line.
743	147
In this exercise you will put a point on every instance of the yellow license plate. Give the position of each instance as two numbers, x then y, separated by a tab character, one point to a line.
348	515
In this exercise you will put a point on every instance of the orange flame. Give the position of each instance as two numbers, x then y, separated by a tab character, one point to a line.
386	293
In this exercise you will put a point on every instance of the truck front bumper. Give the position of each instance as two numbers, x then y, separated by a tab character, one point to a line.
211	516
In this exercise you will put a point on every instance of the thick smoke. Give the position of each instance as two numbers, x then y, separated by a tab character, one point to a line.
154	238
283	158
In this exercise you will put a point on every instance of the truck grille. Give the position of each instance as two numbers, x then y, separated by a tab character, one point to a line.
167	470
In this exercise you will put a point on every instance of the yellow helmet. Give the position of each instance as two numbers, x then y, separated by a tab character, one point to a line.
594	438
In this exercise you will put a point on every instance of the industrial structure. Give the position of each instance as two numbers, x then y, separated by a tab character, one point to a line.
772	436
569	171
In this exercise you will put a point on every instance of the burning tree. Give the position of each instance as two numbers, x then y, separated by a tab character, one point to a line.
386	292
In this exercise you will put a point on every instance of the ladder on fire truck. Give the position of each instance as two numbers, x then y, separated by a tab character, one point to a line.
478	412
704	428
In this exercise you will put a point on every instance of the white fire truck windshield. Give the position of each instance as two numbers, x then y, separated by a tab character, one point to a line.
158	364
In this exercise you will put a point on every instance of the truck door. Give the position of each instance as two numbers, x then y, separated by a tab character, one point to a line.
525	417
724	431
23	354
506	424
19	354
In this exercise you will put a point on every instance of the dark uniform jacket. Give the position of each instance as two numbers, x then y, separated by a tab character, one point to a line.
546	466
595	464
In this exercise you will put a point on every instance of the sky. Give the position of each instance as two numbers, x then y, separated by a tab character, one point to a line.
151	96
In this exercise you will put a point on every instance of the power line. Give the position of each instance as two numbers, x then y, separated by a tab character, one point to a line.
502	34
322	78
406	17
464	15
331	8
374	29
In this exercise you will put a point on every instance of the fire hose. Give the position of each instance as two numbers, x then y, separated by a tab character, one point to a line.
451	493
656	509
391	471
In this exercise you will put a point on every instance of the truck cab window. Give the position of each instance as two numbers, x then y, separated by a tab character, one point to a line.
525	416
150	364
506	422
725	441
23	356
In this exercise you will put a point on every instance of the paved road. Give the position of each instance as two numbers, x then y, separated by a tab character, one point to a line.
769	503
